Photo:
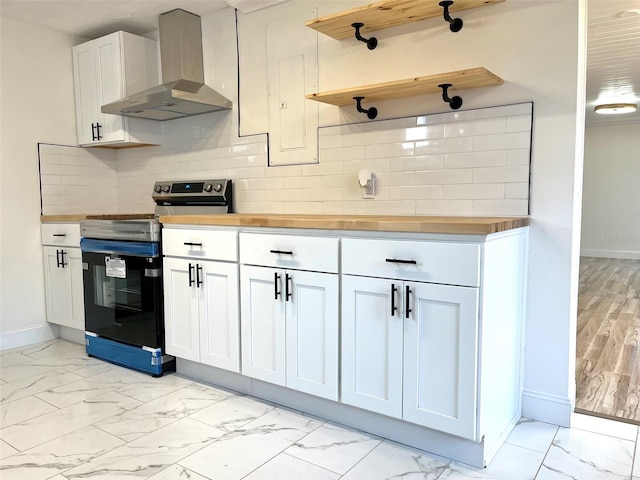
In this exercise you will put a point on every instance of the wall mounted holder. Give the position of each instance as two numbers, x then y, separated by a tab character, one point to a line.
372	42
455	102
371	112
455	24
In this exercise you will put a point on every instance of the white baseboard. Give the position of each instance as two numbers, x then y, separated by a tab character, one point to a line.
600	253
28	336
547	408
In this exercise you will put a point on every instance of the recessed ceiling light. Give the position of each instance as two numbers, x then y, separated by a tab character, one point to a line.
615	108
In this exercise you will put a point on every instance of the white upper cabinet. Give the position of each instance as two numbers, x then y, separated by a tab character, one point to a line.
108	69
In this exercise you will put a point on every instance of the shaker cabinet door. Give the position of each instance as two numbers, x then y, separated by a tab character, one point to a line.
181	317
371	345
263	323
312	325
440	352
219	321
57	286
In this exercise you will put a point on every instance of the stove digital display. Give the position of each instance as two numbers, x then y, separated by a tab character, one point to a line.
187	187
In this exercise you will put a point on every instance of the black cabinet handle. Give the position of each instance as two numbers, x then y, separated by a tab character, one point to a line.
276	281
393	300
58	258
407	302
191	275
93	132
198	272
281	252
59	234
98	136
396	260
288	292
62	254
191	244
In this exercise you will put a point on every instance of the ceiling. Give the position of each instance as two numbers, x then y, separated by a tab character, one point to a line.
613	63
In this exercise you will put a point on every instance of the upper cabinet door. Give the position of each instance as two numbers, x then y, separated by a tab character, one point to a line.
110	84
86	93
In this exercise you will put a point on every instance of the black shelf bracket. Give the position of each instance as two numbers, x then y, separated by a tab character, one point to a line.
455	24
371	112
455	102
372	42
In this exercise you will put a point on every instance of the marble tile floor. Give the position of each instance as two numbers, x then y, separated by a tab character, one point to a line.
64	416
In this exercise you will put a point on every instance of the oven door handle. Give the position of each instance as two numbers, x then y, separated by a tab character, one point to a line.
119	247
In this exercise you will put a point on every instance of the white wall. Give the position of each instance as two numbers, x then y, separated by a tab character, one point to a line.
36	105
611	198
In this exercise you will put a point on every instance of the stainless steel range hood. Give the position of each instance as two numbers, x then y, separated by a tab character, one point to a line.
183	92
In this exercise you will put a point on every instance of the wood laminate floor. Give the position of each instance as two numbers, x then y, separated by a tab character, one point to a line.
608	364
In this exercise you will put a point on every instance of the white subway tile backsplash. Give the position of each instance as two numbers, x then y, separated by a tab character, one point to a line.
445	145
505	141
473	162
501	175
443	177
476	127
365	138
517	190
519	123
496	158
518	157
341	154
485	208
474	191
389	150
415	193
302	182
418	162
412	134
444	207
390	207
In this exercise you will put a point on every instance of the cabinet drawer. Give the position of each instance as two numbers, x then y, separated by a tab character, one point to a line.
67	234
200	243
437	262
290	251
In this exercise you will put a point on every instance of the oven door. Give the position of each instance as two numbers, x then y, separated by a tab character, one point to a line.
123	291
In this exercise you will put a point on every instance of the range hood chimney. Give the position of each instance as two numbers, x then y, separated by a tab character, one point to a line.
183	92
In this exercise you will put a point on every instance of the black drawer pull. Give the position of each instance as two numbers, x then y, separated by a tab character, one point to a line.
59	234
191	244
396	260
393	300
282	252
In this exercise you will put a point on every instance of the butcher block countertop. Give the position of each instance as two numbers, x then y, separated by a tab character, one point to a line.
382	223
77	218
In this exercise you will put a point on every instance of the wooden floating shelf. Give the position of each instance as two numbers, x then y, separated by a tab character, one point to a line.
411	87
387	14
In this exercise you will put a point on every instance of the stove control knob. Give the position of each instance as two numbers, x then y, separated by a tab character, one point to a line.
208	187
157	188
166	188
218	187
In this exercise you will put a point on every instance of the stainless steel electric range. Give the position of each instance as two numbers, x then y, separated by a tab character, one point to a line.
122	275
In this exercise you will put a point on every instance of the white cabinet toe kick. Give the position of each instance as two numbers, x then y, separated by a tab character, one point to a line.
414	337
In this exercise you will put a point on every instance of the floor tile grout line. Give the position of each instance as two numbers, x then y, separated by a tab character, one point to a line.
546	453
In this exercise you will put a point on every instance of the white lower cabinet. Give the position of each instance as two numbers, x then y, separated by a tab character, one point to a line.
409	351
64	291
290	328
201	312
